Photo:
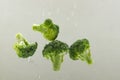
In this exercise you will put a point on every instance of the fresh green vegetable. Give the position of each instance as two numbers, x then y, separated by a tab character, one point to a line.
81	50
23	48
48	29
55	51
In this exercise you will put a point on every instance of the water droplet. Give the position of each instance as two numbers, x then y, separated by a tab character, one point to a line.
29	59
49	13
67	18
75	24
72	14
58	10
39	77
43	13
74	6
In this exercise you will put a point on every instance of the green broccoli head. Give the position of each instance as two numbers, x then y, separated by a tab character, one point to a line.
80	50
55	51
48	29
23	48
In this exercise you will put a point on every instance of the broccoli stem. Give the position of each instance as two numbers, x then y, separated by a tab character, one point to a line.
39	28
20	38
88	58
36	27
89	61
58	59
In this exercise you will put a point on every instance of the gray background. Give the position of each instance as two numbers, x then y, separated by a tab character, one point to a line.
96	20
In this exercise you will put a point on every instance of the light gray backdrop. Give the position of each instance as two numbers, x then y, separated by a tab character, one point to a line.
96	20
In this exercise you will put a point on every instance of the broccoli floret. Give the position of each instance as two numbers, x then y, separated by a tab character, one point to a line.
48	29
81	50
23	48
55	51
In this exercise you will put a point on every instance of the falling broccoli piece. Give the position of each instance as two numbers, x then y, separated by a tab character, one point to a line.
23	48
81	50
48	29
55	51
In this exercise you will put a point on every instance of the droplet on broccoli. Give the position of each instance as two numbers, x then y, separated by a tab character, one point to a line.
81	50
55	51
23	48
48	29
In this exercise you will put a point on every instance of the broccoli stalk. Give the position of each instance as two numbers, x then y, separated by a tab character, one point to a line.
80	50
23	48
56	61
55	51
48	29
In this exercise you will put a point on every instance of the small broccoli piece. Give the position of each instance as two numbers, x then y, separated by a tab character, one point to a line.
81	50
55	51
48	29
23	48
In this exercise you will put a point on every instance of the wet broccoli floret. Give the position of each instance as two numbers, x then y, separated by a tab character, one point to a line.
23	48
55	51
48	29
81	50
